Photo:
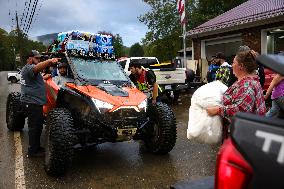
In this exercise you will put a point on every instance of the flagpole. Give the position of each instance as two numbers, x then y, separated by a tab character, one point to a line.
181	10
184	46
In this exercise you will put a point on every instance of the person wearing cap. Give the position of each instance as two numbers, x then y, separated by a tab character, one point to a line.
33	98
62	78
213	67
145	80
225	71
222	59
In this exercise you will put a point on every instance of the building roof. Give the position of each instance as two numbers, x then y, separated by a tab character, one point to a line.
244	14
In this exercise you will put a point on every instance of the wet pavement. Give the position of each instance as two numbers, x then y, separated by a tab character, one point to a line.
109	165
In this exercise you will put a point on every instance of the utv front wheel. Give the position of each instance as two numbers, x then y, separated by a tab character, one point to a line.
60	141
15	117
160	135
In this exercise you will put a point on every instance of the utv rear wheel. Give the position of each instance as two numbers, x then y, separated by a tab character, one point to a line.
60	141
15	117
160	134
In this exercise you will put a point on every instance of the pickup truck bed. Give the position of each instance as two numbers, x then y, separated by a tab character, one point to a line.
171	80
170	76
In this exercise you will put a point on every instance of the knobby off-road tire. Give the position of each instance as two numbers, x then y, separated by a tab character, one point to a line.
15	117
160	134
60	141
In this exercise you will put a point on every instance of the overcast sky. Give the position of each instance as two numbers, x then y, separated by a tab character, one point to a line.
115	16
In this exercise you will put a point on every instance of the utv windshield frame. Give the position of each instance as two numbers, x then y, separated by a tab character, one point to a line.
110	71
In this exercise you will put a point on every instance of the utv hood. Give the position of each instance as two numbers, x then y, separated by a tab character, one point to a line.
113	90
125	96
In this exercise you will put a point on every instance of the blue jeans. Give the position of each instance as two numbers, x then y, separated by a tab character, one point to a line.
277	105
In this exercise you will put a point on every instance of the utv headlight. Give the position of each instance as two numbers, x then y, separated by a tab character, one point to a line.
102	106
143	105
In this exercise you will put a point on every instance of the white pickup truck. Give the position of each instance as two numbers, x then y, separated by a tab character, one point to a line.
171	80
14	77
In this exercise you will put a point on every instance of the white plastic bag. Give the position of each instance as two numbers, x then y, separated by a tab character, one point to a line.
202	127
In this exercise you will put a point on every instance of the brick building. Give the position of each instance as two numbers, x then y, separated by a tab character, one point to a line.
258	24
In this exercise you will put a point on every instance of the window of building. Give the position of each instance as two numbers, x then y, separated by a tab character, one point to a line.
275	40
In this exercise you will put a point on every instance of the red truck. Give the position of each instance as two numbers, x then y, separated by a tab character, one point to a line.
269	74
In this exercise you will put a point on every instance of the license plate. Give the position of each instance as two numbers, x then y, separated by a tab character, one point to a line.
168	87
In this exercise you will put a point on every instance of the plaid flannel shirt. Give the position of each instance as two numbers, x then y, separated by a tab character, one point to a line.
243	96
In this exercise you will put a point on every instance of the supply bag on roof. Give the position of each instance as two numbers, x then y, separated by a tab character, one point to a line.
86	44
202	127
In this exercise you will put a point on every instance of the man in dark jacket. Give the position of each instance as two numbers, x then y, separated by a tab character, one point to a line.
33	97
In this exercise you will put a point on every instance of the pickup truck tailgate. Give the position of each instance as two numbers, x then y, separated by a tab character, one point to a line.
261	142
166	77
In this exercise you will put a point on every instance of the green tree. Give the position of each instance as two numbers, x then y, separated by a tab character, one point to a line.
126	51
163	22
118	46
202	11
162	40
7	52
9	49
136	50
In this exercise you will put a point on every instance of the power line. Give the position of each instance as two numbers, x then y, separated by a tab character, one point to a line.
37	14
24	12
10	15
32	16
28	10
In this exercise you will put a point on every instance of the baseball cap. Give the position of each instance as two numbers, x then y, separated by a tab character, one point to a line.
62	64
34	53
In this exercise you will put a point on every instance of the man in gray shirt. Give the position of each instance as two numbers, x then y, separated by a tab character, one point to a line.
33	97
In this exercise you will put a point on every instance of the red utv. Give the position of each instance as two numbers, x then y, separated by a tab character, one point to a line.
100	105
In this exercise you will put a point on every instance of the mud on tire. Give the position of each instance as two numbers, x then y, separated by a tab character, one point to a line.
60	141
160	135
15	117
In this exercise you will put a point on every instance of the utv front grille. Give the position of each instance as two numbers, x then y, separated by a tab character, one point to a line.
124	118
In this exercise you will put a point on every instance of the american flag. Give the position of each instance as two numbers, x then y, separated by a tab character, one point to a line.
180	6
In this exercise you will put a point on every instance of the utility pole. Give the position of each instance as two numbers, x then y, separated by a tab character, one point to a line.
19	39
